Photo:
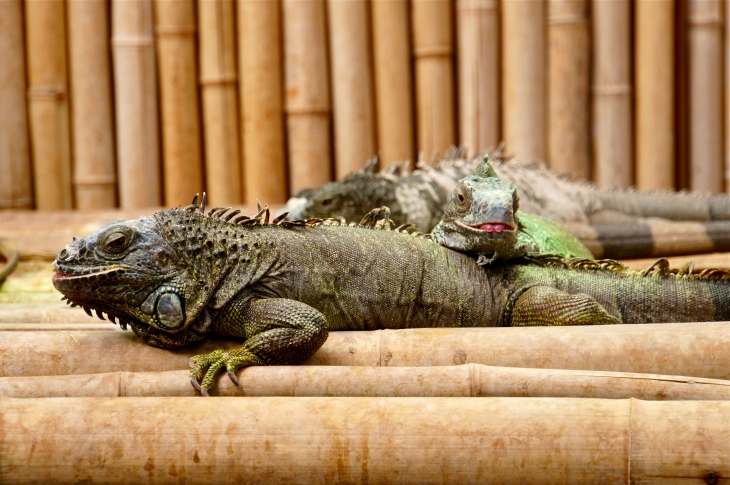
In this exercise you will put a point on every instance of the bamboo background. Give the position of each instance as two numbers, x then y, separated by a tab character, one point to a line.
137	103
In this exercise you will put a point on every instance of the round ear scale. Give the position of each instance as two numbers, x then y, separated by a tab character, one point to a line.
484	169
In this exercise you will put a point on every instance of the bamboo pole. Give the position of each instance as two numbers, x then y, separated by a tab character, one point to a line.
694	349
307	101
477	43
218	84
568	87
524	77
612	91
702	261
176	59
352	86
285	440
434	73
654	81
469	380
262	108
55	327
16	184
91	104
48	103
705	91
36	312
393	80
135	95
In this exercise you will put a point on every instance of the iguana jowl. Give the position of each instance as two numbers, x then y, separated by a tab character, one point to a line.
181	274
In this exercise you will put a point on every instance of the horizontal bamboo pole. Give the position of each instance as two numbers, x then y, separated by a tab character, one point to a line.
55	312
64	327
16	184
681	349
358	440
702	261
469	380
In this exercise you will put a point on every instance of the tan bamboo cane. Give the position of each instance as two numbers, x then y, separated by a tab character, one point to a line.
524	77
469	380
39	312
55	327
48	103
612	90
568	87
477	43
302	440
176	59
705	92
136	104
262	106
91	104
433	52
307	101
701	261
654	84
687	349
16	184
218	85
352	86
393	80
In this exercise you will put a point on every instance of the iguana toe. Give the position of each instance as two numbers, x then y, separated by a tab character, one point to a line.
206	368
232	375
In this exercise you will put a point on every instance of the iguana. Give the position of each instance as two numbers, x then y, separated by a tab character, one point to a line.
420	196
482	218
182	274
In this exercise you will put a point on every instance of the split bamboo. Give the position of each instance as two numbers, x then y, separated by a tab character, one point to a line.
612	91
135	95
706	171
654	83
302	440
568	87
469	380
218	85
262	108
433	52
16	184
523	79
477	43
176	60
352	86
687	349
48	103
307	101
393	80
91	104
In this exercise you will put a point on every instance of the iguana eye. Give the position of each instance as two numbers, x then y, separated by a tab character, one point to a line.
462	197
116	242
326	202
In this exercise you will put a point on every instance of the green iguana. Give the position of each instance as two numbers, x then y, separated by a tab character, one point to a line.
482	218
181	274
420	196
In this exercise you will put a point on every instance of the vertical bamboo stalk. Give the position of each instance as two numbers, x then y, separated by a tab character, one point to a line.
654	81
91	104
433	50
568	83
307	101
176	59
524	78
218	83
705	91
612	115
477	41
16	183
48	103
352	87
135	95
262	108
393	79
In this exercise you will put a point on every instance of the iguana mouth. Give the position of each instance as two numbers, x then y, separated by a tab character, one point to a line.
488	227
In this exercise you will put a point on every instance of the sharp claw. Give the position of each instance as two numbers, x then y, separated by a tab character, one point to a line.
98	314
195	384
88	311
232	375
204	392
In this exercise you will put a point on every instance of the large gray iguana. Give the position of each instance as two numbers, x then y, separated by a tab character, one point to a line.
482	218
618	216
182	274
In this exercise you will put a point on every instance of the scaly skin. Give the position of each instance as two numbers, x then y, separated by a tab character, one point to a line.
482	218
181	275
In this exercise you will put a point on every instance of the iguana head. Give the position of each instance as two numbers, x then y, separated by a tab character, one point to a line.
480	216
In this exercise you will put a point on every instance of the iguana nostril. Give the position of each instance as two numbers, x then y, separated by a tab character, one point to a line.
63	255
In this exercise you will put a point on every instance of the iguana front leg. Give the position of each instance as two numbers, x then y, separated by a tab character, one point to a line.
278	331
545	305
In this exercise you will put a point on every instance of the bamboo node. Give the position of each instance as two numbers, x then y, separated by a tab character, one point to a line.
704	21
615	90
567	19
133	41
213	80
433	51
47	92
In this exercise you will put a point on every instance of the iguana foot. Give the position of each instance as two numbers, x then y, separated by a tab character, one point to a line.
206	367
